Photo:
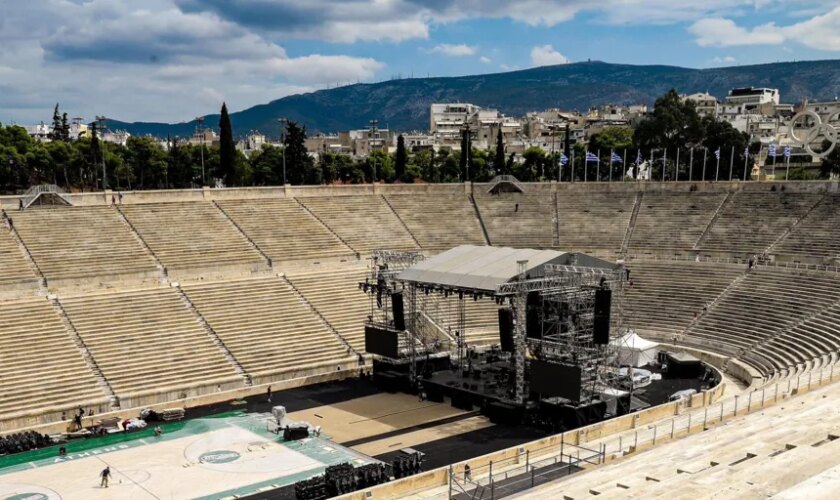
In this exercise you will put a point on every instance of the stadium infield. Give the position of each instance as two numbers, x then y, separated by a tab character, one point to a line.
228	451
212	457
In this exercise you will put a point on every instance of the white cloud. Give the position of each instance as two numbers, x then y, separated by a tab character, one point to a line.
459	50
172	59
820	32
719	32
345	21
545	55
152	62
723	60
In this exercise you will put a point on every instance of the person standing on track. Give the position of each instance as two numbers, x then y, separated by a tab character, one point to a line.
105	475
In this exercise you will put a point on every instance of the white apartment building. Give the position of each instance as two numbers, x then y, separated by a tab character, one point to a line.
40	132
446	120
746	99
706	104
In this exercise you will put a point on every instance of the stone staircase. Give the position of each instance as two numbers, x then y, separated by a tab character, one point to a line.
27	255
741	277
414	238
217	341
793	226
86	354
631	225
164	274
302	298
480	221
712	222
243	234
328	228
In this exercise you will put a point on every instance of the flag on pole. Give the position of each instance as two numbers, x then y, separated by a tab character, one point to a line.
638	157
717	153
592	157
771	150
787	151
564	160
747	151
615	158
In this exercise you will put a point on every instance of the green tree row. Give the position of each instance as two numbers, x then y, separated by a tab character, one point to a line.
144	163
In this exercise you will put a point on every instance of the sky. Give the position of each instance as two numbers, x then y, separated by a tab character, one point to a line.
171	60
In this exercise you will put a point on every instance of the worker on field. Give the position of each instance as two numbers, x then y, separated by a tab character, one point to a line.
105	475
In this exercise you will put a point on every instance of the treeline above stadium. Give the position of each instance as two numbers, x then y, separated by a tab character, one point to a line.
146	163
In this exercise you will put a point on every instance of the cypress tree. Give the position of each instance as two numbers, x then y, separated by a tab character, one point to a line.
65	128
227	148
299	165
95	149
466	144
499	159
402	158
55	133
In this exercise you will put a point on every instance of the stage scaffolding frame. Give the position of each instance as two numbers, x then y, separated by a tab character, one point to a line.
567	295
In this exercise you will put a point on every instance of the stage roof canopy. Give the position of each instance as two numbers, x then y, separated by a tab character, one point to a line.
482	268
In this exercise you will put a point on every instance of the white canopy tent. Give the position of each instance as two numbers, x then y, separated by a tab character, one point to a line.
634	350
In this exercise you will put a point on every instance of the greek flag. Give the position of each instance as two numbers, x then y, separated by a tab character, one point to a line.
638	157
747	151
771	150
564	160
787	151
615	158
717	153
592	157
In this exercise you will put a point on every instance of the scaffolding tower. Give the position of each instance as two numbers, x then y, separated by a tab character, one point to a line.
565	299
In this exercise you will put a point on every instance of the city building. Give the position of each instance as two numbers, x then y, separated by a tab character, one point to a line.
746	99
706	104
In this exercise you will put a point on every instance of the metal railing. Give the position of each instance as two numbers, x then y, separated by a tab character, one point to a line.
532	467
505	178
34	192
504	477
700	419
791	266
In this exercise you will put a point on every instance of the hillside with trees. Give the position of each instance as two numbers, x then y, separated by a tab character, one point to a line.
404	104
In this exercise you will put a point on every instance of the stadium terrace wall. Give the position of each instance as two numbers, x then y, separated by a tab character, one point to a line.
10	202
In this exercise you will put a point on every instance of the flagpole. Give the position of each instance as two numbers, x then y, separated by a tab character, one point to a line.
598	167
731	162
787	165
677	167
664	162
624	166
572	170
691	164
611	164
746	159
705	154
717	169
585	164
650	167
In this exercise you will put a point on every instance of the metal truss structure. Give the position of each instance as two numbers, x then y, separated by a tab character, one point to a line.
566	303
435	317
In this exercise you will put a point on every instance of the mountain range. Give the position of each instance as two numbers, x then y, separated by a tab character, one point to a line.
404	104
